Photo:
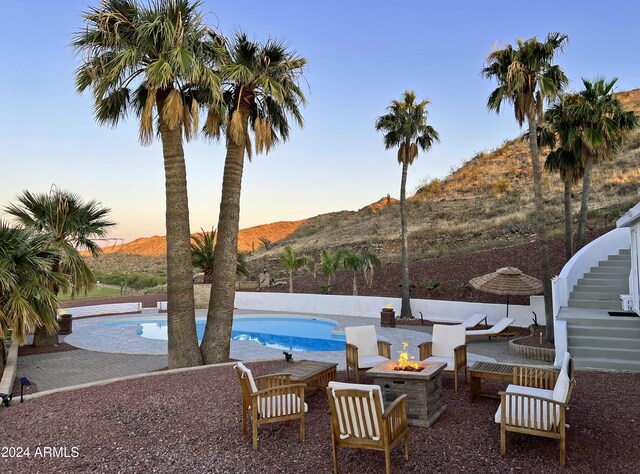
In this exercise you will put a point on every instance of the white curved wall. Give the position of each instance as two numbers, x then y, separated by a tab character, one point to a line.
585	258
370	306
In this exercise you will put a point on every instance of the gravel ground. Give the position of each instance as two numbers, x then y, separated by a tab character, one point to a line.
190	422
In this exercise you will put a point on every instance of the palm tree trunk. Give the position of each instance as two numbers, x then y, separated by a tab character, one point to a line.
355	284
41	336
183	340
541	224
290	281
584	206
568	234
216	342
405	311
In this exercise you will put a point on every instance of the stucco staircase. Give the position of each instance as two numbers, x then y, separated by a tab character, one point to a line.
597	340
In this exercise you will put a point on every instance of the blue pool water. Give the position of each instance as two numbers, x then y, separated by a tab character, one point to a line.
285	333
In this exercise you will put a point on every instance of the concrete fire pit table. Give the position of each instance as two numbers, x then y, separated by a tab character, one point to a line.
423	389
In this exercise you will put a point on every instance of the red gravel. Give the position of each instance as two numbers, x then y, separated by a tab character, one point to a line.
190	422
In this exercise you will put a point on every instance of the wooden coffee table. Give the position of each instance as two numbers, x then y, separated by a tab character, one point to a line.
488	370
315	374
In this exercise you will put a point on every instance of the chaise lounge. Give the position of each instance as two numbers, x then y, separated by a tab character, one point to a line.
498	330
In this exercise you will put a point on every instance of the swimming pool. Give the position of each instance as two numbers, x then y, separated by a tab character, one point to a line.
280	332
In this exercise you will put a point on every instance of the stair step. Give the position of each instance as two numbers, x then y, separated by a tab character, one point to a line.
592	280
623	258
600	363
624	252
610	270
614	263
609	277
595	295
596	304
604	332
604	342
605	353
601	322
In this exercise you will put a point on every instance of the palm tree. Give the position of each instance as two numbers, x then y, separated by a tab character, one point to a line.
294	262
68	224
601	126
152	61
330	263
202	255
27	299
526	78
563	160
354	262
405	126
370	263
261	94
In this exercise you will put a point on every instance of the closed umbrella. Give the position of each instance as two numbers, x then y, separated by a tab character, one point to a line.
507	281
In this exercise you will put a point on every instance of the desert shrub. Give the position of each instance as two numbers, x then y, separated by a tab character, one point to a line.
500	187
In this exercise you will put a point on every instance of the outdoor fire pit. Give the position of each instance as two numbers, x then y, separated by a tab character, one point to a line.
421	384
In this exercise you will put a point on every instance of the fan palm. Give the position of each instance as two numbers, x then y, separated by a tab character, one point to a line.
261	94
152	60
405	126
203	254
601	126
526	78
330	263
370	263
27	299
354	262
294	262
68	224
563	160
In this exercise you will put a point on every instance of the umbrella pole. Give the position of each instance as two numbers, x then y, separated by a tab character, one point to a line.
507	306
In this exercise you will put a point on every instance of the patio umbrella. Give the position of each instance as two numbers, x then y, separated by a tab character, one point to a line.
507	281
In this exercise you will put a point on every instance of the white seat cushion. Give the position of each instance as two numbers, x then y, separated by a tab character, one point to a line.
447	360
282	405
561	388
497	328
364	338
356	420
368	362
446	338
524	418
247	373
474	320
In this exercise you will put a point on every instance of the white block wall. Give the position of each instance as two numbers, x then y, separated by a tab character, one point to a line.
115	308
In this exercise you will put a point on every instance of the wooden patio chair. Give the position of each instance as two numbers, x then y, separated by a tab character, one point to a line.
535	408
270	399
448	345
357	420
363	350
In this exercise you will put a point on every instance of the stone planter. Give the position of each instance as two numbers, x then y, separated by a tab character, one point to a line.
387	318
531	352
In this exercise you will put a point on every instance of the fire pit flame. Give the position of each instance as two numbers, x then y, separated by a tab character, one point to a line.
407	363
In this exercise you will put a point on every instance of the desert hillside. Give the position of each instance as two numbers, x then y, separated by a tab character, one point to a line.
484	203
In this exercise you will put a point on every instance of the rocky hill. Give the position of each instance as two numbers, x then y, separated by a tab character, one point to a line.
485	203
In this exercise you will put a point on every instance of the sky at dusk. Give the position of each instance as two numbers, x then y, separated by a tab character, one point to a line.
361	56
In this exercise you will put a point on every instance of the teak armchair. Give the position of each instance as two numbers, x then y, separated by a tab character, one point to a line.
539	407
270	399
448	345
363	350
357	420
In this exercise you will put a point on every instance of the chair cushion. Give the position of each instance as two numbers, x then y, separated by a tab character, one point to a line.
364	338
474	320
447	360
357	421
446	338
247	373
561	389
497	328
368	362
525	415
283	405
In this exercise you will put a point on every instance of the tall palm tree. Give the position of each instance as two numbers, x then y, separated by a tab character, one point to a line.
601	125
261	94
526	78
203	255
295	262
27	279
563	160
151	60
405	126
68	224
354	262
